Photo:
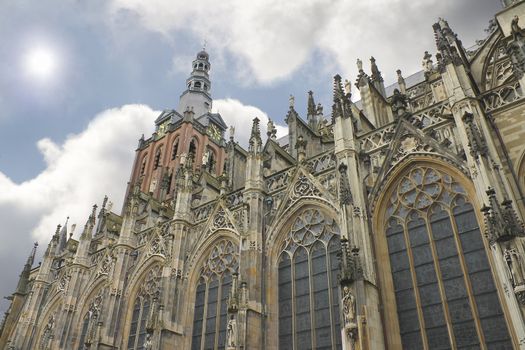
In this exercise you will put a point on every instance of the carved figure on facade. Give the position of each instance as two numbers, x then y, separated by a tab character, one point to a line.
427	63
345	193
272	130
47	334
231	333
515	266
399	104
348	308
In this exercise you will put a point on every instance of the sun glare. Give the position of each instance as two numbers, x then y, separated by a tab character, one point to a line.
41	63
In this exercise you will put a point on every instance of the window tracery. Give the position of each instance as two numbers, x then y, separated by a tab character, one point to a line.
211	296
445	294
144	309
308	285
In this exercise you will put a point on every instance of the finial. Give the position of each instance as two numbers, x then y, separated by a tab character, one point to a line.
359	65
291	101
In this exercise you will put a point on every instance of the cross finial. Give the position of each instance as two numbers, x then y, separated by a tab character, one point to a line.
204	45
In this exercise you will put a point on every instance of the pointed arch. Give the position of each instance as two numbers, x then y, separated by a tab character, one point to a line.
302	262
91	311
141	298
48	321
435	270
209	281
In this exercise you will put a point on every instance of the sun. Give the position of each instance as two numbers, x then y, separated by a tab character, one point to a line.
41	63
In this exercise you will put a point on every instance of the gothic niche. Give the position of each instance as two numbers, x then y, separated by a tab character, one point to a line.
514	263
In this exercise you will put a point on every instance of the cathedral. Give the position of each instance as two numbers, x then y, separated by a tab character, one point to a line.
392	222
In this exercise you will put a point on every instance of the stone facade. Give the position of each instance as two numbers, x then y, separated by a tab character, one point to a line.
393	223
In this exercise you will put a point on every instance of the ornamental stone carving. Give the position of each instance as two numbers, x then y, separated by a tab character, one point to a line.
224	256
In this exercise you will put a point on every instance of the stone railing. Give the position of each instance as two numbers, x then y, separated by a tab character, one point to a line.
279	180
502	96
321	162
234	199
376	139
204	211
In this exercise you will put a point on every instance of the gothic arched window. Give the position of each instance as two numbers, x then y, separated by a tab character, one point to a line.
175	149
90	321
308	285
443	285
211	297
143	166
158	156
144	309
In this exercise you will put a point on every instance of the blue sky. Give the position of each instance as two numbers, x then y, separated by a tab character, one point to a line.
67	137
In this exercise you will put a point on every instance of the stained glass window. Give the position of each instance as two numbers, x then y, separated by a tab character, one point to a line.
211	297
443	284
308	286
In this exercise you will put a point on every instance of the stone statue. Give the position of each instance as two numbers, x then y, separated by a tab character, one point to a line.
399	104
427	62
272	131
348	307
205	157
359	65
231	333
515	266
319	110
291	101
183	157
232	131
348	87
148	344
515	29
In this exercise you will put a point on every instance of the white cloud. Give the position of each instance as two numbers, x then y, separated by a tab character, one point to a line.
241	117
91	164
271	39
79	172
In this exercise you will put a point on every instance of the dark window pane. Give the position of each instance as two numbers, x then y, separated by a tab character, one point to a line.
429	294
302	300
211	315
450	268
422	255
465	334
402	280
412	341
446	248
396	242
417	232
471	240
433	315
408	321
460	310
405	300
495	329
482	282
488	305
399	261
455	288
438	338
426	274
198	315
476	261
285	302
223	321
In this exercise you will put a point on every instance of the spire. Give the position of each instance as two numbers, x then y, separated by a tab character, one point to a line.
401	82
376	74
198	86
255	137
311	103
21	288
62	238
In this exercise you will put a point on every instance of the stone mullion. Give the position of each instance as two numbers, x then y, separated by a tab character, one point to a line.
311	296
218	312
467	282
419	308
294	323
443	295
333	330
204	314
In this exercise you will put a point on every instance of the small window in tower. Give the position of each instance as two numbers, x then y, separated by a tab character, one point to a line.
206	66
193	148
205	87
195	66
143	166
157	158
175	149
201	65
197	85
189	85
